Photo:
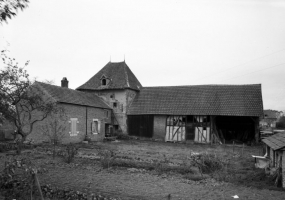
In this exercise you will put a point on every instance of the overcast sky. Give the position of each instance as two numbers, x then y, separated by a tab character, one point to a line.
164	42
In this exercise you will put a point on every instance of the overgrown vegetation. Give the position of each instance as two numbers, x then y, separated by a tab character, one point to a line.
19	179
68	154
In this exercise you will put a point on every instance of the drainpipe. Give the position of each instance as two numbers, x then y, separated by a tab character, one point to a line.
86	121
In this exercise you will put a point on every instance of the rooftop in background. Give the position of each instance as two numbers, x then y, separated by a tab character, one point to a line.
276	141
66	95
119	76
234	100
273	114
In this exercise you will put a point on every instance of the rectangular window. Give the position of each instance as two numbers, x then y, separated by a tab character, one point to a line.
73	127
95	126
106	113
114	105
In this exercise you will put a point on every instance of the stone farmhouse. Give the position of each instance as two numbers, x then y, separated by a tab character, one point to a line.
115	100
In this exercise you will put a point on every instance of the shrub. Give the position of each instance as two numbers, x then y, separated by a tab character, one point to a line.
208	162
106	158
69	153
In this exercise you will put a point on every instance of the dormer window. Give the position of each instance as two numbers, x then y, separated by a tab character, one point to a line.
104	80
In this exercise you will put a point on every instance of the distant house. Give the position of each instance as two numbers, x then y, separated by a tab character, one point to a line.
270	118
275	150
86	114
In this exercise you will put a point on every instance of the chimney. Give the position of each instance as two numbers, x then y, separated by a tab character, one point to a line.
64	82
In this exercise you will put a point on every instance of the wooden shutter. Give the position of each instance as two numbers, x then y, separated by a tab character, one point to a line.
73	127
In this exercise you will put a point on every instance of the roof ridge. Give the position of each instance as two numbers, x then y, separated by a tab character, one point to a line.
126	73
202	85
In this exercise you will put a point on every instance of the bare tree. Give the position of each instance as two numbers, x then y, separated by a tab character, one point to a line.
21	101
54	129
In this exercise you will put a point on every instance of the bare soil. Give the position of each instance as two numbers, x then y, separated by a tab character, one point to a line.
242	178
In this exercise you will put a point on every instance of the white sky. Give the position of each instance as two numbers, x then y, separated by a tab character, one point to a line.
165	42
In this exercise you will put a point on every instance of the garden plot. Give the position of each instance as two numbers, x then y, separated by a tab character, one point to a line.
136	169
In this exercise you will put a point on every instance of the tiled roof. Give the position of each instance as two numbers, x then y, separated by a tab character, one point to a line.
276	141
119	74
234	100
66	95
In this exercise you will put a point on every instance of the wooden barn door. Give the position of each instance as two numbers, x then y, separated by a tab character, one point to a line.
175	129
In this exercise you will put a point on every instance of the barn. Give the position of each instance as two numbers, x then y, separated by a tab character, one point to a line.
199	113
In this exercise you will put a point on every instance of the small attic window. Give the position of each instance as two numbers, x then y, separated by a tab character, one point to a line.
104	81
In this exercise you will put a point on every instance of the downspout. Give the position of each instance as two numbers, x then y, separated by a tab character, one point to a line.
86	121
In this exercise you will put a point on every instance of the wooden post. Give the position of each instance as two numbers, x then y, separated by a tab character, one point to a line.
38	186
256	129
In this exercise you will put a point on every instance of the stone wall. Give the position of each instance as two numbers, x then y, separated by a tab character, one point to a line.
119	100
79	112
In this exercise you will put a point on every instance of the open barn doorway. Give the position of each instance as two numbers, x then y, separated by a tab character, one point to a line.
238	129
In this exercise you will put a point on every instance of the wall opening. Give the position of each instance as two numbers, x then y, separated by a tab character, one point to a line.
140	125
232	128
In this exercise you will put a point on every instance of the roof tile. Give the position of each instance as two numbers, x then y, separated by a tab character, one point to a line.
66	95
235	100
119	74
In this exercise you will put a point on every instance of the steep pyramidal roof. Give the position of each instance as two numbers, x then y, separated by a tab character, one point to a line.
234	100
66	95
119	76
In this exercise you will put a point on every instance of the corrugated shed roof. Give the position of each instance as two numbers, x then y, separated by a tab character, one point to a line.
119	74
276	141
66	95
234	100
